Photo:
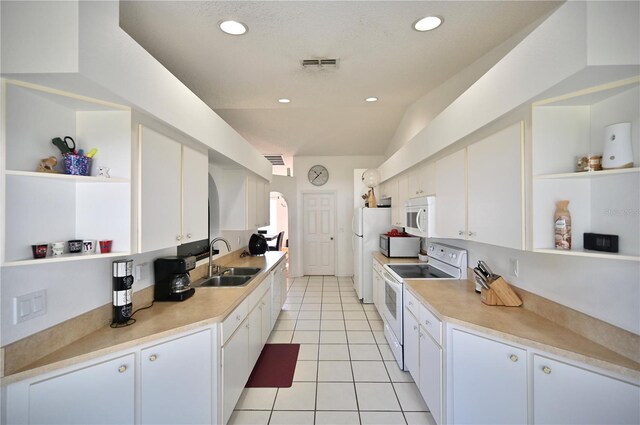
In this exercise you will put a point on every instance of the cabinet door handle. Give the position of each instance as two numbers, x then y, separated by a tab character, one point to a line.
153	358
238	318
460	233
178	237
415	328
189	235
546	369
513	358
426	322
472	233
122	369
420	334
410	302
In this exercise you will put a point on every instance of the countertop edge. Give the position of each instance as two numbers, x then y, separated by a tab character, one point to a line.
29	372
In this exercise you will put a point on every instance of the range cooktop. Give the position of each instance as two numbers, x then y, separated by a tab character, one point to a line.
419	271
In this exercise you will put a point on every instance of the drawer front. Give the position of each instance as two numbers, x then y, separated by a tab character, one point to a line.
411	303
377	266
232	322
431	324
257	293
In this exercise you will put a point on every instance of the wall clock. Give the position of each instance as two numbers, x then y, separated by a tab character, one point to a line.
318	175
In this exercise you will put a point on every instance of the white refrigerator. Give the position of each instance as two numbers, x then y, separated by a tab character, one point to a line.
367	225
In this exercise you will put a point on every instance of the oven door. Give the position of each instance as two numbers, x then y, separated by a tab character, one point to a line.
392	305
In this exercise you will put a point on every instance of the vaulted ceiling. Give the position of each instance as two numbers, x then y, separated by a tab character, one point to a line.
379	54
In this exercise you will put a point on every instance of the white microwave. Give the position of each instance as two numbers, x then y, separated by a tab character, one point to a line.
420	216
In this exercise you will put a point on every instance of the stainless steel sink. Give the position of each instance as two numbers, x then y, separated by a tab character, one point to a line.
223	280
239	271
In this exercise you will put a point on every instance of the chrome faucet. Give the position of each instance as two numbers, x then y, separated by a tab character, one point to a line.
211	254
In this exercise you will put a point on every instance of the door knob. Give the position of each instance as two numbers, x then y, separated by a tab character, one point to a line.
331	237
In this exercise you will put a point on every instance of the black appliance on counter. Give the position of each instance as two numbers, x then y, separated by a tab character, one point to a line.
172	282
257	244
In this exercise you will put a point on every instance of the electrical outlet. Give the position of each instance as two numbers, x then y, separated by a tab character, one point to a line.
28	306
514	266
142	271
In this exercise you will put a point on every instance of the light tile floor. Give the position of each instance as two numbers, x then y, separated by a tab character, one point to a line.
346	373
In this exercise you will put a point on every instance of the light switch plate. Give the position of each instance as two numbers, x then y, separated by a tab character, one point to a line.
514	266
28	306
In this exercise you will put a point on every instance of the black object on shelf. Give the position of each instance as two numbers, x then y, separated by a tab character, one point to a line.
600	242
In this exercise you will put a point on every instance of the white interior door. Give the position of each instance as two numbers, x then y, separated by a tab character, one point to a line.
319	225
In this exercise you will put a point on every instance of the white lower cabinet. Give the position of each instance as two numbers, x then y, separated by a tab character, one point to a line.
177	373
278	291
412	345
568	394
431	374
241	350
423	358
235	369
488	381
102	393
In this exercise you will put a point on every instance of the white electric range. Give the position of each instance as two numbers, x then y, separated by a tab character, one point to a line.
442	262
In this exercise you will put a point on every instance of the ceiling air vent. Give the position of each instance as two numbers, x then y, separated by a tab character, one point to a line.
319	63
275	159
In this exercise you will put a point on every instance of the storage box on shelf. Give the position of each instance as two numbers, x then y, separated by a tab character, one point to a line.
604	201
47	207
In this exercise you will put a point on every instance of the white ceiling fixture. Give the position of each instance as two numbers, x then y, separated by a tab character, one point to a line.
371	99
233	27
284	100
427	23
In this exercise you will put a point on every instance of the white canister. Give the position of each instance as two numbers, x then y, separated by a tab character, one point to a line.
617	152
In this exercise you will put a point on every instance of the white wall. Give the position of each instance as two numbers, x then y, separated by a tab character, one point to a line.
341	181
288	187
72	288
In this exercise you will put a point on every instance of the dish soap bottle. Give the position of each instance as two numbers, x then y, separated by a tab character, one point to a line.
562	220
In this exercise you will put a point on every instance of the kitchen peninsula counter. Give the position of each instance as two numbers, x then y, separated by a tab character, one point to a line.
207	306
456	302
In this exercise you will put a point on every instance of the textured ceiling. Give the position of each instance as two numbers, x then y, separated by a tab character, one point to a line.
241	77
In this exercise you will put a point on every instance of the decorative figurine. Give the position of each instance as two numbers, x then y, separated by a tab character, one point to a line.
103	172
47	165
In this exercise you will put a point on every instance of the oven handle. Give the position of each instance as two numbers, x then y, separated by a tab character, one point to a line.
389	279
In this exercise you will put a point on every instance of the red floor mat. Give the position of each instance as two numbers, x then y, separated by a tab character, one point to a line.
275	366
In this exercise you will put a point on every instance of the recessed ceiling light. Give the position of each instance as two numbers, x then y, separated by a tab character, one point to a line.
233	27
284	100
428	23
371	99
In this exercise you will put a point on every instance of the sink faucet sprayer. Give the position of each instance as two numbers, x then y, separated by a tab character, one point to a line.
211	253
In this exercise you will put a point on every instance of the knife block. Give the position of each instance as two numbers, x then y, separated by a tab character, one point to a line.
500	293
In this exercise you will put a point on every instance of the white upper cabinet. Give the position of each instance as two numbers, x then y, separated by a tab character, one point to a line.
451	196
567	128
195	195
39	207
479	191
245	200
173	179
422	180
495	203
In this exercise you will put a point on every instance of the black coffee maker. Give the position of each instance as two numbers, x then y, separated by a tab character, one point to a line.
172	278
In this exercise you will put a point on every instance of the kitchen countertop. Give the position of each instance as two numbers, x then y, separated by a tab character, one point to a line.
455	301
207	306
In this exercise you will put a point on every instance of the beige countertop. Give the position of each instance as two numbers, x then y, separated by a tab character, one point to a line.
455	301
207	306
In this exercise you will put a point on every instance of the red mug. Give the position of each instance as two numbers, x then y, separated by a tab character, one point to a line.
105	246
40	250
